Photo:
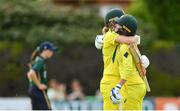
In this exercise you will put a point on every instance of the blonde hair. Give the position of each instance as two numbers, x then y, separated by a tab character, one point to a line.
105	30
34	54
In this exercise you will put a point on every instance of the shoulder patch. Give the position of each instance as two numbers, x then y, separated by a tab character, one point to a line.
126	54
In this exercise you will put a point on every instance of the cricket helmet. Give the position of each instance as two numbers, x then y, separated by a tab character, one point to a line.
113	13
128	24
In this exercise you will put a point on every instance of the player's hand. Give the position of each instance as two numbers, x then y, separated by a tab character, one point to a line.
144	72
145	61
99	41
42	87
138	39
115	95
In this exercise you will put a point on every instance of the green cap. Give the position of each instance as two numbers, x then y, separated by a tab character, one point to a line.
113	13
128	23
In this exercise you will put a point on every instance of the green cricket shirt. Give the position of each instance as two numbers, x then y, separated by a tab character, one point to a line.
39	67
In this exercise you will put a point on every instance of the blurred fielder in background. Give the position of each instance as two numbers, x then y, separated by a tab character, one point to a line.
37	76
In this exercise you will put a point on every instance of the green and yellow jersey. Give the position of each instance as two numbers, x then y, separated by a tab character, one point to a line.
127	67
111	74
39	67
109	50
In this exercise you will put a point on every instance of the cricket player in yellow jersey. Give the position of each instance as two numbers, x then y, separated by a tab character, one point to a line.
131	89
111	72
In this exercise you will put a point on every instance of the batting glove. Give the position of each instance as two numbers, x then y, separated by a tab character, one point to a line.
99	41
115	95
144	61
138	39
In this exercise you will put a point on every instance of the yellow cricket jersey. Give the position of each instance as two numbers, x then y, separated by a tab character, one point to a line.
111	74
127	67
109	48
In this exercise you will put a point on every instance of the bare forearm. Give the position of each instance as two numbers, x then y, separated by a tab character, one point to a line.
122	82
32	76
125	39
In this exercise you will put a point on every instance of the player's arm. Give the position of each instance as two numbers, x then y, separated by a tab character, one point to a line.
118	39
128	40
115	95
33	77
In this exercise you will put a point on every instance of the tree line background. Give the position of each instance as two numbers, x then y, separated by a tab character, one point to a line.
24	24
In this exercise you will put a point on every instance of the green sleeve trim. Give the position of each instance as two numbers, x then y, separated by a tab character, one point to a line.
114	54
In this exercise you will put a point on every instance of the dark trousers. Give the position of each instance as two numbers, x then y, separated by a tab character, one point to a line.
38	100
